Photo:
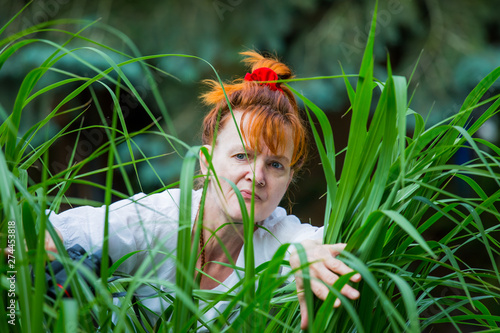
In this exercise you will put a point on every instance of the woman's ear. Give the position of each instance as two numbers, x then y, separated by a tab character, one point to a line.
205	150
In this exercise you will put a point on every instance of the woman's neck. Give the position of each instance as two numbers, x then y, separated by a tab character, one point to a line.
219	233
223	240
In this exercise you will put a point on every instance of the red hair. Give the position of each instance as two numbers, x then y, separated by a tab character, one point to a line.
266	112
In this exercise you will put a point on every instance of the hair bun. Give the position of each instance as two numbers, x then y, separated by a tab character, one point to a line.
256	60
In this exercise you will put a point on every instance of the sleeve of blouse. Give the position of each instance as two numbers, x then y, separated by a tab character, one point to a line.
279	229
289	229
132	224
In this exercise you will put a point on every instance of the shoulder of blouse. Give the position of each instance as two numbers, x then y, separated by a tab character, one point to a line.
288	228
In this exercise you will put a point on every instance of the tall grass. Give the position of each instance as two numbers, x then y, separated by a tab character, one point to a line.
393	189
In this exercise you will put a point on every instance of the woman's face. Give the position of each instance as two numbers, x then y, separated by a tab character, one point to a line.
240	165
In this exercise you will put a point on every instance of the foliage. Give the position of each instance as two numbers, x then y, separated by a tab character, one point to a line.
315	34
394	187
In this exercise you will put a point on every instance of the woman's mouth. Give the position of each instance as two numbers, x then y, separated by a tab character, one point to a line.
247	194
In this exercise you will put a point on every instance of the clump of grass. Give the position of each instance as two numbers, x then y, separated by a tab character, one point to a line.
394	188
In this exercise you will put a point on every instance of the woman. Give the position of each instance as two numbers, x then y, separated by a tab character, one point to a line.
259	145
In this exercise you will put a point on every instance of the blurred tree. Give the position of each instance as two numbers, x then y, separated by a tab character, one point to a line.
314	36
458	43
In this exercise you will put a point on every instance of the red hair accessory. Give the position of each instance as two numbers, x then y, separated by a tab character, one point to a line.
264	74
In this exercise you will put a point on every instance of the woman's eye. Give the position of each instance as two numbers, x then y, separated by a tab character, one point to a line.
277	165
240	156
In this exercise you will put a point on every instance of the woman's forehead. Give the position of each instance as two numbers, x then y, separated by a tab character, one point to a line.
258	134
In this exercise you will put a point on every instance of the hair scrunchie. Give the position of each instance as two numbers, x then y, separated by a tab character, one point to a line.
264	74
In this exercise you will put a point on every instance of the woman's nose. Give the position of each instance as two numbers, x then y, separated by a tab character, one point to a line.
258	172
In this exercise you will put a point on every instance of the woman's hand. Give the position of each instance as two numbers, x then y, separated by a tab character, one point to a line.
324	267
49	243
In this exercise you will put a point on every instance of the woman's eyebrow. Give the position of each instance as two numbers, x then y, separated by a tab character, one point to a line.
239	146
280	157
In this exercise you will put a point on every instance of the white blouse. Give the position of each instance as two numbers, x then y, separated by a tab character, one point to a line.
149	224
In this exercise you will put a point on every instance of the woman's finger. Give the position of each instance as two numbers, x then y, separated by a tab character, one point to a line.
304	318
322	273
338	266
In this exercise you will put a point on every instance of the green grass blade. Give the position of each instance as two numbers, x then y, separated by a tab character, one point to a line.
184	273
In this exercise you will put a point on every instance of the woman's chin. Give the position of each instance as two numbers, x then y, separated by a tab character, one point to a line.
237	216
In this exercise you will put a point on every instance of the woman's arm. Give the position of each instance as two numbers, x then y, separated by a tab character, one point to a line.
84	226
140	223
